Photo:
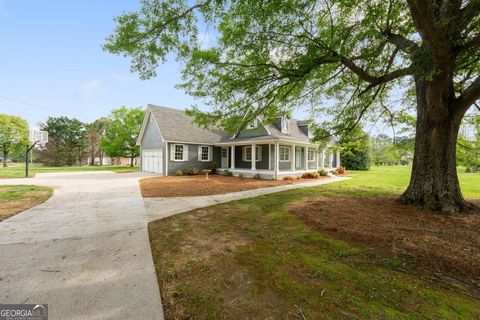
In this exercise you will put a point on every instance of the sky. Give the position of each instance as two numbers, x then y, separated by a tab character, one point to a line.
52	62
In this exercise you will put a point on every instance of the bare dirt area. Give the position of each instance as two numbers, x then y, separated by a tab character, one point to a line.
199	186
447	244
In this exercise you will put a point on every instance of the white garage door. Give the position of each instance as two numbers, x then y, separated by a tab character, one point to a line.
152	161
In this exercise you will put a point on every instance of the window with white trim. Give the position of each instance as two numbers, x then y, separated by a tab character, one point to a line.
284	153
311	155
247	153
285	124
252	124
178	149
204	154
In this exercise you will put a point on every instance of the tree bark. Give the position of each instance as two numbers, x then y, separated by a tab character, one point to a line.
5	156
434	182
131	161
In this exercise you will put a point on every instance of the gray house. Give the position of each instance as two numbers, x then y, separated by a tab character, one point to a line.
170	141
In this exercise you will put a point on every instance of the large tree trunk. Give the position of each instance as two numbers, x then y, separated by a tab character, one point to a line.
434	182
131	160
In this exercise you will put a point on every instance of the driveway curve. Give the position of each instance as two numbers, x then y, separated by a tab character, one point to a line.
86	251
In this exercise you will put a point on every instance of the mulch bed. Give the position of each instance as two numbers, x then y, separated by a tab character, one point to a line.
182	186
448	244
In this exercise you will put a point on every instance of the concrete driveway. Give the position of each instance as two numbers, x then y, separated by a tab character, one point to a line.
86	250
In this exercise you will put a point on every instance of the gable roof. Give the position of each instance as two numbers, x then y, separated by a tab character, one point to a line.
177	126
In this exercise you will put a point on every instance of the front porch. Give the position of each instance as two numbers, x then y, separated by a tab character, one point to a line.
276	160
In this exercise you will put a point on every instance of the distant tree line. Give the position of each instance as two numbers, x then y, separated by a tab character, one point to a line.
73	142
359	150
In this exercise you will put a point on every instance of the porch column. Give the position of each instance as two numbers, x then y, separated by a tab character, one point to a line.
306	158
232	156
293	157
330	154
254	164
337	153
322	159
277	158
269	156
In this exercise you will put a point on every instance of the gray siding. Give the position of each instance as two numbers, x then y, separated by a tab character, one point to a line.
239	163
259	131
152	140
192	161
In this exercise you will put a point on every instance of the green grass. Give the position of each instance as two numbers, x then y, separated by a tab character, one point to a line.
253	259
15	199
18	170
394	180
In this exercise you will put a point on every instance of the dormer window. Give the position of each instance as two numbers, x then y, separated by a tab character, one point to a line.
252	124
285	125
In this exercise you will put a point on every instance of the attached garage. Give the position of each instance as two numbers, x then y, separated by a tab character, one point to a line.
152	161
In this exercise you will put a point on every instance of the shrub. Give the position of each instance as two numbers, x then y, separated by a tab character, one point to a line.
190	171
323	172
240	175
310	175
227	173
179	173
257	176
288	178
340	170
213	167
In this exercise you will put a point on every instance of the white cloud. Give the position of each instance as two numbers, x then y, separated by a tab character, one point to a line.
121	78
87	89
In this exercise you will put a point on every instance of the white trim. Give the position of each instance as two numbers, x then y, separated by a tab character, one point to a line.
259	153
257	118
195	143
144	126
200	153
314	153
184	152
269	156
289	148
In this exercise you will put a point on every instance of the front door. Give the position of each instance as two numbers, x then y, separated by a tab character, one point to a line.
298	158
225	157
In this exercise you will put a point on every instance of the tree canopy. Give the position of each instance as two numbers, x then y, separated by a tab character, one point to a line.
347	60
13	135
122	133
67	140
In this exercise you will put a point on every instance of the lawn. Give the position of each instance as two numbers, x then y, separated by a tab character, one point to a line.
18	170
273	257
15	199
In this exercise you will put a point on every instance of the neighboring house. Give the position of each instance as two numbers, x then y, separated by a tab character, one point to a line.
170	141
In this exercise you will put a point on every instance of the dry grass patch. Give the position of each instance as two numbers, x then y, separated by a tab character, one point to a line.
447	244
199	186
15	199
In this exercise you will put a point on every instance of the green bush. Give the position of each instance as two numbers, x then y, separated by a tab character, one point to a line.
190	171
227	173
323	172
213	167
179	173
240	175
257	176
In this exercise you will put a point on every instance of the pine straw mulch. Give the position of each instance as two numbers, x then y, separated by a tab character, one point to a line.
448	245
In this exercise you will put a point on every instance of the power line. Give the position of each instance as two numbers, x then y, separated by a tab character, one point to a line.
43	107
